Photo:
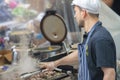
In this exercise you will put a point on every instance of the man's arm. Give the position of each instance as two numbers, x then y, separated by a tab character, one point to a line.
106	58
70	59
109	73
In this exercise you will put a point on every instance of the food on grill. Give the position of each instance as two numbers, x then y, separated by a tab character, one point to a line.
47	49
50	48
47	75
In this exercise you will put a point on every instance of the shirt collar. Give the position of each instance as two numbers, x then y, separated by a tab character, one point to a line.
96	24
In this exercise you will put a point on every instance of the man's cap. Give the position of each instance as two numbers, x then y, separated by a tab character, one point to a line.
91	6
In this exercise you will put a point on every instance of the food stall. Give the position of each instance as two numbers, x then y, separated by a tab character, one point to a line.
25	55
59	35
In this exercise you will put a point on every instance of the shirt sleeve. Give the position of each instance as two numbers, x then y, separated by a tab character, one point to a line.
105	53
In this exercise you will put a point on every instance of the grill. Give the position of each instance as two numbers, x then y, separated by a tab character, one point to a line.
48	75
66	73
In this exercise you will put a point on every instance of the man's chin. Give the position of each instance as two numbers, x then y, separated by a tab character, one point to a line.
81	24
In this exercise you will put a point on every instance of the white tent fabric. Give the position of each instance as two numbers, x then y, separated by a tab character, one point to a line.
111	21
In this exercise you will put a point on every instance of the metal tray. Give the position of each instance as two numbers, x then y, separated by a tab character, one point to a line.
47	49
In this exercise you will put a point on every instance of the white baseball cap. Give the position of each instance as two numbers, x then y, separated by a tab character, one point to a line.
92	6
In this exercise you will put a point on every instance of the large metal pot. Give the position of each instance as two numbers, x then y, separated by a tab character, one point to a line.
43	53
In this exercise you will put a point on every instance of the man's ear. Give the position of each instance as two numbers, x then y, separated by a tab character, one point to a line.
84	14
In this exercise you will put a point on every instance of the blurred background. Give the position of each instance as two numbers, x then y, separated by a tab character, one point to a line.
20	24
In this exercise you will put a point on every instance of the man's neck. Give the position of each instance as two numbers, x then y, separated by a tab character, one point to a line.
89	24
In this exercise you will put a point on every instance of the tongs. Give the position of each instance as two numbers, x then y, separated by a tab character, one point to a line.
28	74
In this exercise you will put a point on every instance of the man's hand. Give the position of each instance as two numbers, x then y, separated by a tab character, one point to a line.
47	65
109	73
67	60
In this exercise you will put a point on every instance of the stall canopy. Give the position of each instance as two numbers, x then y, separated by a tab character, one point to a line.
111	21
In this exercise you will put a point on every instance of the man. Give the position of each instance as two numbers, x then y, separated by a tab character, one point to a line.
97	53
11	3
114	4
34	26
108	2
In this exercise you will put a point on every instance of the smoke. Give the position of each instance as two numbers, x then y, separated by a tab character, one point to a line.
25	64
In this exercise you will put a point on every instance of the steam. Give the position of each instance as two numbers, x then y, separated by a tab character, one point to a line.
25	64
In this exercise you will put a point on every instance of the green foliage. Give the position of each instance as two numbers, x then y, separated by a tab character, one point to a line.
24	13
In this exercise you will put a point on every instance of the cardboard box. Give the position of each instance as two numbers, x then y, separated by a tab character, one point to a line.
5	57
2	61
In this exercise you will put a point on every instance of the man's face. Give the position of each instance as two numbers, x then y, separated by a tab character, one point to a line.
78	16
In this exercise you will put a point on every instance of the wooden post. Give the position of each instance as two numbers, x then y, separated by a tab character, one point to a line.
37	5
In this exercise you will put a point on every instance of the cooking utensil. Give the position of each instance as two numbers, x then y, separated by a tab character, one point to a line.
53	27
26	75
47	49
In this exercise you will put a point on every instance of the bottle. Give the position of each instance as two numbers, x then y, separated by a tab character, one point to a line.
14	56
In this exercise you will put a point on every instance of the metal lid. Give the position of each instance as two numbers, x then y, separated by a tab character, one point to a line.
53	27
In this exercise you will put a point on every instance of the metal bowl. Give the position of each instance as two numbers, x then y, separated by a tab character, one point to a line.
47	49
43	53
